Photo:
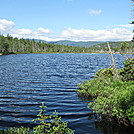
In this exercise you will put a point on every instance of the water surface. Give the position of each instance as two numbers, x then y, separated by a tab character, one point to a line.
26	80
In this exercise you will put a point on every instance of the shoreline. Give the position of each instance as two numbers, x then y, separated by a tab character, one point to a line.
62	52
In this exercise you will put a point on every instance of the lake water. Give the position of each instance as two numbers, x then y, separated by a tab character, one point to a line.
27	80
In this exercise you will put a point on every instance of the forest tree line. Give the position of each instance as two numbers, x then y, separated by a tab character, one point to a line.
9	45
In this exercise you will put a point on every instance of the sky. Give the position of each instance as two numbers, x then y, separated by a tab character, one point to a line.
76	20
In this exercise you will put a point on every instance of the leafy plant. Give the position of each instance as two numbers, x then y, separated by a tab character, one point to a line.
112	98
116	102
107	72
15	130
49	124
127	73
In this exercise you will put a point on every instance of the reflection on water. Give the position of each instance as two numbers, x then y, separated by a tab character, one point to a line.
26	80
113	128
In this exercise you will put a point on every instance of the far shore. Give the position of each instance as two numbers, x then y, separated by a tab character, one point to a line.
97	52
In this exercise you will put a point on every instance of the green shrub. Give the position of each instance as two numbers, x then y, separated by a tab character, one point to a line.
127	73
107	72
14	130
116	102
49	124
96	86
112	98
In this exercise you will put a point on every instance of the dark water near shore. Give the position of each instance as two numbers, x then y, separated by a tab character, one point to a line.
26	80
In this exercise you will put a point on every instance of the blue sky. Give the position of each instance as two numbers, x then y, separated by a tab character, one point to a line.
78	20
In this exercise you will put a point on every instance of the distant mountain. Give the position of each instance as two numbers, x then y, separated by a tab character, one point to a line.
80	43
73	43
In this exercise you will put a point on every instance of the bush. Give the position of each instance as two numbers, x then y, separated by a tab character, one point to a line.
107	72
49	124
14	130
116	102
127	73
94	87
112	98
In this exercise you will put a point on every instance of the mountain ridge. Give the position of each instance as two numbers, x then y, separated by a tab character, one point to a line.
73	43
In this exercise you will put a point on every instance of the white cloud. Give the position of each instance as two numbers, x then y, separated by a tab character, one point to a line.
116	34
127	25
6	26
9	27
94	12
23	31
45	31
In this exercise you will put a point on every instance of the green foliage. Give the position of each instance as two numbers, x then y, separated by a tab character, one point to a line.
127	48
112	98
120	47
124	46
94	87
116	102
15	130
103	79
127	73
49	124
9	44
107	72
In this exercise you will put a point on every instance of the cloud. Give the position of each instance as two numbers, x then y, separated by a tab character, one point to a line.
6	26
23	31
40	33
94	12
116	34
127	25
45	31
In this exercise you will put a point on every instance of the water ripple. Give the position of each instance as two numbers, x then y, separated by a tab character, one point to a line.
26	80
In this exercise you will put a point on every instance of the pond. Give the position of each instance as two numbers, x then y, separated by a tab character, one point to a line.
27	80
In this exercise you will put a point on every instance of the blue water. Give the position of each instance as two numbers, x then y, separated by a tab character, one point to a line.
26	80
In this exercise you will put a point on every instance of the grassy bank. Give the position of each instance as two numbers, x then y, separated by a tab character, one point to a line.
112	98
